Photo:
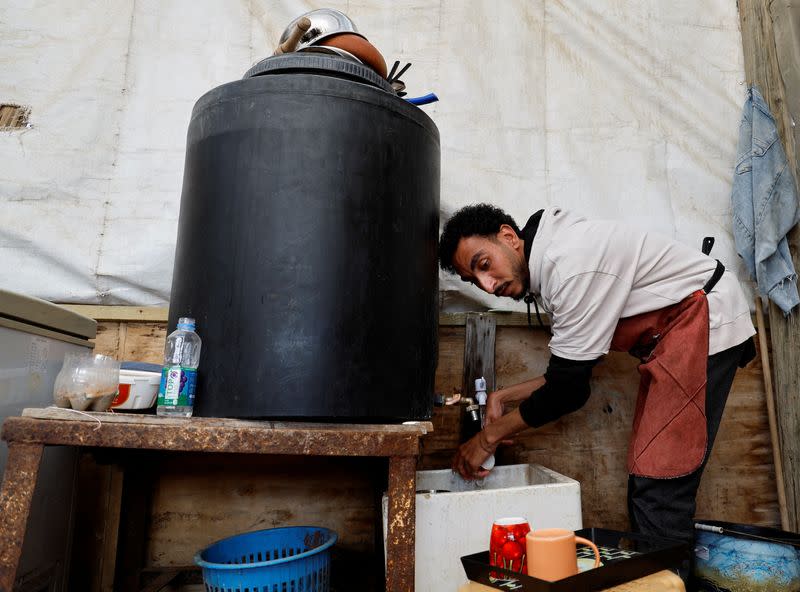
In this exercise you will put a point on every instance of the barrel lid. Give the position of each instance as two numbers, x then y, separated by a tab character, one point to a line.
330	65
34	311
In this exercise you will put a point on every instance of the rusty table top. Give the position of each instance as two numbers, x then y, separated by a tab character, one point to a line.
53	426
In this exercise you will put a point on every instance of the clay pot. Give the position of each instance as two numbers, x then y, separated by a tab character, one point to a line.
360	48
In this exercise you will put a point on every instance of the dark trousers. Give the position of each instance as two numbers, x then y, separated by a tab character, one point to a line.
665	507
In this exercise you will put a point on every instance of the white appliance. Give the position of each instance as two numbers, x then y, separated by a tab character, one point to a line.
34	336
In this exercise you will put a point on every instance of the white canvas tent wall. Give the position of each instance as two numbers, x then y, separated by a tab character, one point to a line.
627	110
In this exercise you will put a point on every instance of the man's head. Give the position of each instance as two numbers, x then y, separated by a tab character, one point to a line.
481	243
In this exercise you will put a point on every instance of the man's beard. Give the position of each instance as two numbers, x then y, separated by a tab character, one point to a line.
521	273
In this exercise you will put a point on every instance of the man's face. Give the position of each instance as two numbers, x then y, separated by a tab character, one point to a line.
495	264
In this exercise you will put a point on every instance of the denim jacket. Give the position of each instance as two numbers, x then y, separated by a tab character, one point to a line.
765	205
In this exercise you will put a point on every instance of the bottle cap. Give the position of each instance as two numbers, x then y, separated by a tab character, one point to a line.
488	464
186	323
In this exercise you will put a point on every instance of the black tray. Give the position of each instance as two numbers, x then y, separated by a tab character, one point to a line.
625	556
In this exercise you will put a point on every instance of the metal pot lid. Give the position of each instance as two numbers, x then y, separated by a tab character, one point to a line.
331	65
325	22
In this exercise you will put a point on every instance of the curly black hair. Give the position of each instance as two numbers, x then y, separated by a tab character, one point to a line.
477	219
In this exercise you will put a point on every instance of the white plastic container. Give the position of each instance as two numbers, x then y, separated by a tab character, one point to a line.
138	389
458	521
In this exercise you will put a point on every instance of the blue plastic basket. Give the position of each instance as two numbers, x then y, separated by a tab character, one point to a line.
290	559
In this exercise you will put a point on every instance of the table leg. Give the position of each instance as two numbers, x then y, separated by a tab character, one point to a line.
401	521
19	481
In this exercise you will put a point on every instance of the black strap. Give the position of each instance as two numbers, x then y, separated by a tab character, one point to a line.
720	269
528	299
708	244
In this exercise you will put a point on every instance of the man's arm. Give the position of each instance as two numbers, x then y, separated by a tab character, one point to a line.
566	389
563	388
495	405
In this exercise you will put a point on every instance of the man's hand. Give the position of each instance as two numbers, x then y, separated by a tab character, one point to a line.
494	406
471	455
495	409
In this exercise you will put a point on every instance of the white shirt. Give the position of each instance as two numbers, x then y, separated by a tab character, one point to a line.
590	274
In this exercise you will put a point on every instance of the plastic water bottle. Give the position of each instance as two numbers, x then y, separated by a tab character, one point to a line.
179	375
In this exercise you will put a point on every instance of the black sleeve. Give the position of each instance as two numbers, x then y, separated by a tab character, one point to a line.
566	390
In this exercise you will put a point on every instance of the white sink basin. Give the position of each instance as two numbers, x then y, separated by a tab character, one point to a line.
457	520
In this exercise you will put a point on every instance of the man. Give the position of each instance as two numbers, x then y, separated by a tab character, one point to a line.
607	286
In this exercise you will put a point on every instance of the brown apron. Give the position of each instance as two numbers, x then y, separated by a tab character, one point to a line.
669	426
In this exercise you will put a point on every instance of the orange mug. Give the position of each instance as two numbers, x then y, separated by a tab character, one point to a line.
552	553
507	543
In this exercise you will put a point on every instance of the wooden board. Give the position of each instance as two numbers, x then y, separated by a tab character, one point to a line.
479	344
153	314
762	57
131	342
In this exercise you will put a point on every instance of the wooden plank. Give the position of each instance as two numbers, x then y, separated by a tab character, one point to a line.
502	319
763	69
135	498
143	342
111	513
785	334
132	342
437	446
479	352
217	435
108	339
156	314
56	414
449	376
771	416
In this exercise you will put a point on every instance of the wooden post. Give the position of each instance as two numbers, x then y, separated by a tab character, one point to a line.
766	368
479	341
401	524
765	65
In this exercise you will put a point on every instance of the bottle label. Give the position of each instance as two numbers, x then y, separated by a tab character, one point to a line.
177	386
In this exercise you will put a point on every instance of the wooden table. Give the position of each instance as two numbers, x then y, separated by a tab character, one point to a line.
28	435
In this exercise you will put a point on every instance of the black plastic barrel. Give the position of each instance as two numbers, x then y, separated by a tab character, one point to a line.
307	245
